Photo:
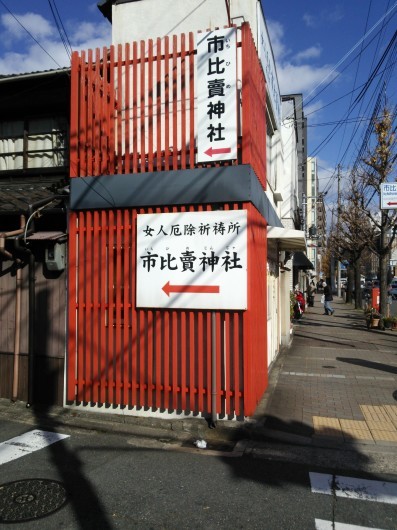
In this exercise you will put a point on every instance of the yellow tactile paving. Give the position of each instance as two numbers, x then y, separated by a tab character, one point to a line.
374	413
381	426
391	411
324	426
355	429
384	436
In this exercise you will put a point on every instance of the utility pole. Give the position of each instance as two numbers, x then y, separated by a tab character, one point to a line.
337	232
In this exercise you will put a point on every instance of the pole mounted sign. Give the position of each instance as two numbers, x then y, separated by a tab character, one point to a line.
388	195
192	260
217	96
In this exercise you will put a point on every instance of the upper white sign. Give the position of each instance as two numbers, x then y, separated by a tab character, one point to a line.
216	95
192	260
388	195
268	65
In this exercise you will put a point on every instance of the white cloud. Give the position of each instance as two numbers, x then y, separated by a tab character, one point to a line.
310	53
301	78
309	20
294	72
50	54
35	24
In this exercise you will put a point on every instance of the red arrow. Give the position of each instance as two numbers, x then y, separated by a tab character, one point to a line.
168	288
219	151
391	203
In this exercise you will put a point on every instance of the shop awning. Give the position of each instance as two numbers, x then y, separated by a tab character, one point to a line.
301	261
287	238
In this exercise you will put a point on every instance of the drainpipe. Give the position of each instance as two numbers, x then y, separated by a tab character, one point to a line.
18	292
32	302
213	371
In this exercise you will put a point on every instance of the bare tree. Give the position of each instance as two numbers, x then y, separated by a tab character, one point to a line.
381	168
353	234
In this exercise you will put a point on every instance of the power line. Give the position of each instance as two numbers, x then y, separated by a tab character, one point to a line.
61	28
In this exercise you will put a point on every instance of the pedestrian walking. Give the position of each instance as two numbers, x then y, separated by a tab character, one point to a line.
328	310
310	293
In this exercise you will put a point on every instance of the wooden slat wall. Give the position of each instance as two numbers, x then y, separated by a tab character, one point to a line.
49	345
133	111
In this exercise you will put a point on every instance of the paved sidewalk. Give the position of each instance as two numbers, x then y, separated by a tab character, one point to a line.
336	384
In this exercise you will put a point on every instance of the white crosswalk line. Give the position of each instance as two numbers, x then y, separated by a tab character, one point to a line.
27	443
354	488
321	524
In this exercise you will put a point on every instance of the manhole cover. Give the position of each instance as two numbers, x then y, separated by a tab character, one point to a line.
328	366
395	395
25	500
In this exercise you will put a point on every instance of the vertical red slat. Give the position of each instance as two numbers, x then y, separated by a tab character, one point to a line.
191	101
96	309
74	115
157	372
183	102
126	310
81	310
112	113
104	307
72	323
134	314
150	100
90	83
227	358
199	366
142	109
183	356
174	102
208	374
135	107
105	117
174	353
166	376
97	87
83	117
110	357
167	103
149	354
118	282
237	330
120	105
159	84
88	274
127	128
192	362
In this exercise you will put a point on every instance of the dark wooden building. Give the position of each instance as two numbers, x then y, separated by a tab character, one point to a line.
34	175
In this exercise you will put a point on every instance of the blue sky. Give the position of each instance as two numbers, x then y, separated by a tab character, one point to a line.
319	47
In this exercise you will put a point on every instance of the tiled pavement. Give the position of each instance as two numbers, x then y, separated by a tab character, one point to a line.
336	383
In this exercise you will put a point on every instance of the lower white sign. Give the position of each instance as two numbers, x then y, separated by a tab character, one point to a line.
192	260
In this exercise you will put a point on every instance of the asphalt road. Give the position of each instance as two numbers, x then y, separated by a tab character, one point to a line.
116	481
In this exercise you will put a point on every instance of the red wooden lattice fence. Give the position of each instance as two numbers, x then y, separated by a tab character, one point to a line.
133	112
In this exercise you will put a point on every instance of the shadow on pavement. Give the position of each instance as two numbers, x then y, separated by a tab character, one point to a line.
369	364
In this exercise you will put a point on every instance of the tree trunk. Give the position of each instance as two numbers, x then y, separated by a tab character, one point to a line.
357	284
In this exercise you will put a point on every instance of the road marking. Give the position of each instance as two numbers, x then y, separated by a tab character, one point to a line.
321	524
354	488
27	443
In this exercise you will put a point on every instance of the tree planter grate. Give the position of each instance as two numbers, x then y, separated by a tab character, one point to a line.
25	500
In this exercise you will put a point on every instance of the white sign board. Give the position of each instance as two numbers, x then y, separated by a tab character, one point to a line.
388	195
268	65
192	260
216	95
